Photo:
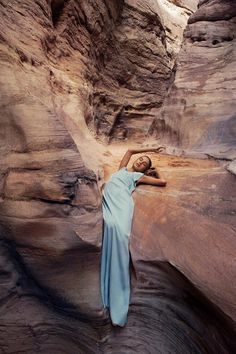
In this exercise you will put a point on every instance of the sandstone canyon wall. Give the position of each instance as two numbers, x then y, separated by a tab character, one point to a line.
134	66
50	204
71	70
199	110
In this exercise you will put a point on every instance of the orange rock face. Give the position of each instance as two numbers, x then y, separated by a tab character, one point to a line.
191	223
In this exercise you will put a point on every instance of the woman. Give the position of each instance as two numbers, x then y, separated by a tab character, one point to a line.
118	207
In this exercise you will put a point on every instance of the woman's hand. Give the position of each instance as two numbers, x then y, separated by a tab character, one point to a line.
159	149
153	172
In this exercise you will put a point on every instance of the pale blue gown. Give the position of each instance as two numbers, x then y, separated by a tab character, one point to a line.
118	207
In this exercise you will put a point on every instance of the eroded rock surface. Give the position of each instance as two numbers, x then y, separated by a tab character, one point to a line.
199	111
135	65
50	205
190	223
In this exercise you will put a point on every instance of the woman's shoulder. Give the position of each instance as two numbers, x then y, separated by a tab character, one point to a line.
120	170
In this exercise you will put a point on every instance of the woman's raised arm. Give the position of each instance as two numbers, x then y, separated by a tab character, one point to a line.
152	181
125	160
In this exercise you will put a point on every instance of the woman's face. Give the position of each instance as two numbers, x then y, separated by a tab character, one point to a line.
141	164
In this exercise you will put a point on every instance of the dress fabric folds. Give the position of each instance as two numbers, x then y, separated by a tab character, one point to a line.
118	208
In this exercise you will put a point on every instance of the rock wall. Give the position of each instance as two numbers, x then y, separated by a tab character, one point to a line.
191	223
50	205
134	67
199	111
110	62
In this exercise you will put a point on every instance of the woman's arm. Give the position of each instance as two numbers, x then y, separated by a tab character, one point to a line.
125	160
152	181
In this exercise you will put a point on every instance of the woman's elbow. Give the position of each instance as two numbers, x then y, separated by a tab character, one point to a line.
130	151
162	182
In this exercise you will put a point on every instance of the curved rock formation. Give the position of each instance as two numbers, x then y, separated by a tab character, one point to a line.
134	61
199	111
51	218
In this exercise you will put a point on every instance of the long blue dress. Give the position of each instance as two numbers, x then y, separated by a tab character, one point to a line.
118	207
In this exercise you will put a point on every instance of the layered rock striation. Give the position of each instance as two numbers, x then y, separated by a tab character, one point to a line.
135	65
199	110
50	205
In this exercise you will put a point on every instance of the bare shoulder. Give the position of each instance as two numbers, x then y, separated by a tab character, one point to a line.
120	168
